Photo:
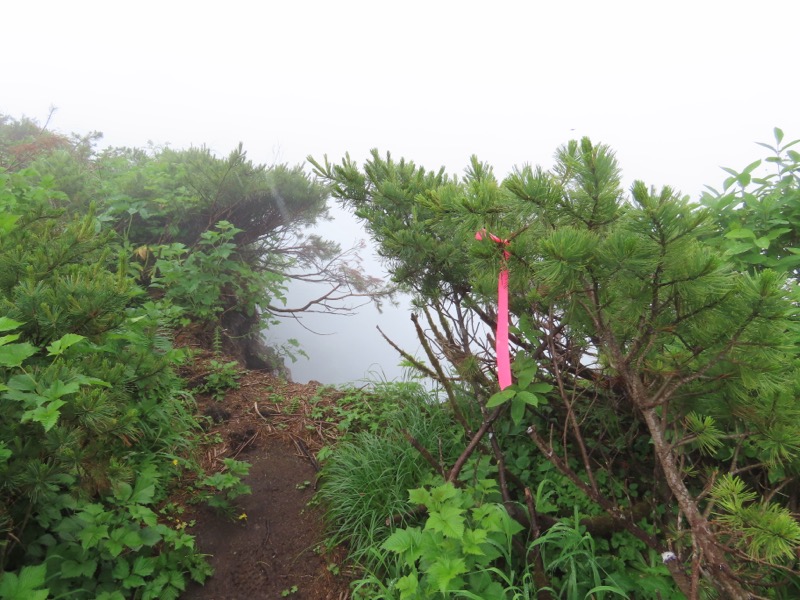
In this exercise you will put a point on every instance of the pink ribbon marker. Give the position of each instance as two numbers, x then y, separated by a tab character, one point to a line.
501	335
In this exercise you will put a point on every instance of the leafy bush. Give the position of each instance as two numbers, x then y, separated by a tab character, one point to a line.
223	377
366	479
454	554
91	412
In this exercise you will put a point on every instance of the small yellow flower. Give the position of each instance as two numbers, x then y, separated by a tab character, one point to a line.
175	461
243	517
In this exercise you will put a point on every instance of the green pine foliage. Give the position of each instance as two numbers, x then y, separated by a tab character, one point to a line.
637	339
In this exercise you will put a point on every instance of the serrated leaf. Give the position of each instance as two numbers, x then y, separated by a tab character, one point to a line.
7	339
420	496
402	541
132	539
143	514
133	581
407	585
443	493
122	491
150	536
23	585
58	389
13	355
7	324
473	538
445	570
46	415
92	535
144	565
448	520
121	569
70	339
71	569
177	580
143	493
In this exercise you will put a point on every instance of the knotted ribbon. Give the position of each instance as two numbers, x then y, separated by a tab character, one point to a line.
501	335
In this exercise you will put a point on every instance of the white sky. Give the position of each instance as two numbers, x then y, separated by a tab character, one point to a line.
677	88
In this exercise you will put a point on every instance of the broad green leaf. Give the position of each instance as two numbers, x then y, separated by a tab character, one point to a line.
741	233
92	535
114	547
407	585
122	491
23	585
13	355
58	389
144	565
445	570
402	540
7	339
448	520
752	166
71	569
500	398
150	536
738	248
132	539
420	496
46	415
70	339
473	538
143	492
7	324
133	581
121	569
177	580
528	398
517	409
526	377
143	514
763	242
540	388
443	493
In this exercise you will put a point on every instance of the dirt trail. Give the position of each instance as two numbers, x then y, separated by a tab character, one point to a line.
277	550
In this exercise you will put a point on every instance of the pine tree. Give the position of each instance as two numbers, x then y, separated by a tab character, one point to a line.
625	309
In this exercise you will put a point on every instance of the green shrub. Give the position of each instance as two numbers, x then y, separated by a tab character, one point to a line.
365	481
92	414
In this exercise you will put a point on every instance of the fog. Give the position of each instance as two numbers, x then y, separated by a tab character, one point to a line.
347	348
